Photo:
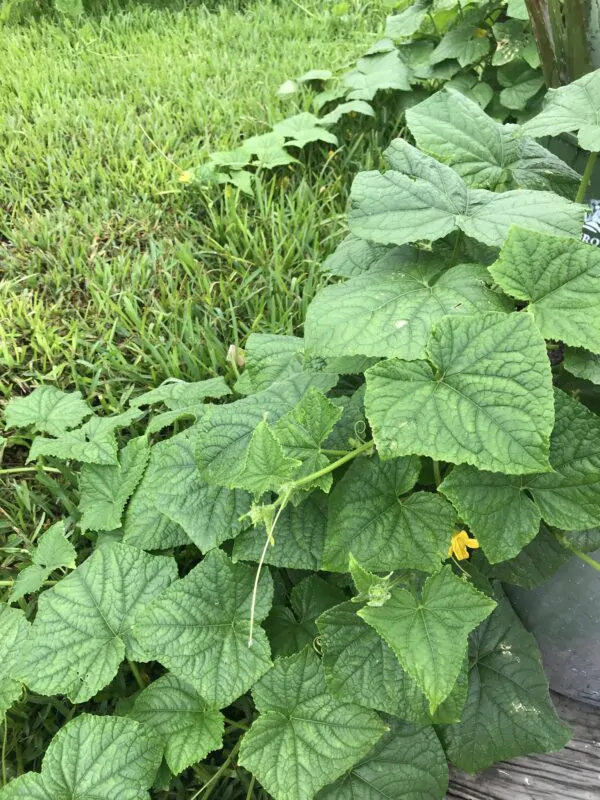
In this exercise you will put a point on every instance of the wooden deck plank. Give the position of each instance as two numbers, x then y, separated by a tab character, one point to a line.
571	774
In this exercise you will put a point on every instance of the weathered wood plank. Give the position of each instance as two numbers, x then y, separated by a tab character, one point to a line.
572	774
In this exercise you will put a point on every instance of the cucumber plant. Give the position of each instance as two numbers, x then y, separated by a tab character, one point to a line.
311	565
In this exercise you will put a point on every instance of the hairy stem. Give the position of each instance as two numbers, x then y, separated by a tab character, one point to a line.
12	583
437	473
333	466
576	552
136	674
586	177
250	792
223	768
17	470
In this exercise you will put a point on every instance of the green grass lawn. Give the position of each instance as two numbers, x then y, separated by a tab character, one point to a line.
112	273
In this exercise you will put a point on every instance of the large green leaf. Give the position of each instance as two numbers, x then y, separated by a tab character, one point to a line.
488	155
304	738
291	629
47	409
391	313
407	763
53	551
225	431
271	358
404	25
376	72
93	758
186	725
508	711
83	627
94	443
571	108
199	628
105	489
373	516
208	514
428	630
14	631
484	398
582	364
299	537
420	198
504	511
354	256
560	279
361	668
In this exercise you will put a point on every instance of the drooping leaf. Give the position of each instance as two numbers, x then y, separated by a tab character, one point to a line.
570	108
208	514
179	394
485	153
391	312
407	763
484	398
302	433
428	630
351	107
304	737
508	711
234	159
361	668
269	150
466	43
582	364
94	443
83	628
304	128
420	198
299	537
559	277
536	562
354	256
91	757
504	512
199	629
225	431
402	26
291	629
47	409
187	726
315	75
520	82
145	525
105	489
375	73
14	631
53	550
373	516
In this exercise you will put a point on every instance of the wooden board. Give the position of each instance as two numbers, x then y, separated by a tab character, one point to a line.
572	774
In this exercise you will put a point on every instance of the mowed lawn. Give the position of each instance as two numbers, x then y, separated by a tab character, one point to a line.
112	273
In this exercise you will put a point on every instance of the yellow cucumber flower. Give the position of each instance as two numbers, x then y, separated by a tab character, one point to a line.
460	541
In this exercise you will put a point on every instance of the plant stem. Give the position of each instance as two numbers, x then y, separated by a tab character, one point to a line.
579	553
250	791
334	465
12	583
4	742
437	473
586	177
220	771
136	674
17	470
